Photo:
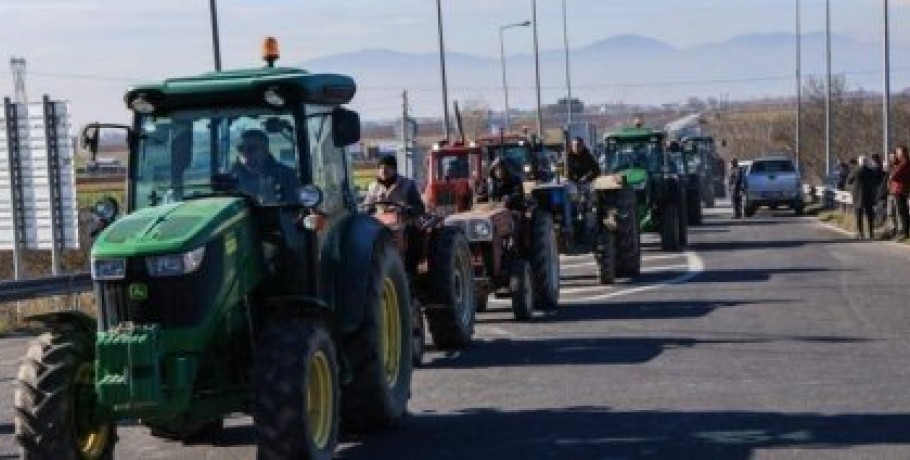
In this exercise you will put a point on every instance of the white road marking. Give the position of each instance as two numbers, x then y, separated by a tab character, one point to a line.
695	267
665	268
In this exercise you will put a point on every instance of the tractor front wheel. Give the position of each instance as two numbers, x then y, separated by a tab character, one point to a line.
670	228
544	259
451	275
628	238
606	257
296	391
380	353
521	290
56	408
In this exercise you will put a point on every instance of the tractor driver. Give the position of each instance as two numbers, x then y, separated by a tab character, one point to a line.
581	166
504	185
259	173
391	186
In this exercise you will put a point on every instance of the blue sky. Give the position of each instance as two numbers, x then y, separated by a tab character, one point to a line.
89	50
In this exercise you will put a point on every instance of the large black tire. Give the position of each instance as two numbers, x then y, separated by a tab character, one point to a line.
696	214
295	367
520	286
482	300
56	389
749	209
606	257
628	238
419	336
684	221
451	274
544	260
377	396
669	228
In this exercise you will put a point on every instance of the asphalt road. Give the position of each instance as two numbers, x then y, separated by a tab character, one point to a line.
770	338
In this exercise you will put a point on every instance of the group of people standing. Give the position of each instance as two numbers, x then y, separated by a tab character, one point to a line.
873	187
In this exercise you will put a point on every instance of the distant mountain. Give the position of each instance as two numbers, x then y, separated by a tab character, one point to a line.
626	68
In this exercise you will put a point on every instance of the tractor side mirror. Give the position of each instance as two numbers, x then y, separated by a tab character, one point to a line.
345	127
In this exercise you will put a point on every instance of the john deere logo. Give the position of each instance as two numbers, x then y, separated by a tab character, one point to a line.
139	291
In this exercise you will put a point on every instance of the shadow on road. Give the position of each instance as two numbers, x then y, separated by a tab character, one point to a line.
762	245
590	432
757	275
625	310
562	352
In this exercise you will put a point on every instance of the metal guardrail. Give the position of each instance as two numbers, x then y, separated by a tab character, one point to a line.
14	291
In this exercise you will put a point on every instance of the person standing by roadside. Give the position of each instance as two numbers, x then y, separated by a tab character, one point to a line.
863	181
899	187
735	187
885	197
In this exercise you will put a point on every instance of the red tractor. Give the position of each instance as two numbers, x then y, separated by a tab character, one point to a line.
513	249
438	261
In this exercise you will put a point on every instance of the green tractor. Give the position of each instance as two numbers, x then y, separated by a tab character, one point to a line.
242	279
639	154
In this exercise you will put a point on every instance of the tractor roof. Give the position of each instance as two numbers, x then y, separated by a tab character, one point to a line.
246	86
499	140
454	148
634	133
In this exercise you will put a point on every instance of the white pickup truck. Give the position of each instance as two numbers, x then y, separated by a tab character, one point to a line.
772	181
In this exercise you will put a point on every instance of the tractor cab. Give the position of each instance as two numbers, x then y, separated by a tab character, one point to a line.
454	171
524	158
638	153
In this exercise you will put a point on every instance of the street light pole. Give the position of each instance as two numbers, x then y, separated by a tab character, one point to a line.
442	67
537	69
799	83
502	57
565	39
213	10
829	91
886	101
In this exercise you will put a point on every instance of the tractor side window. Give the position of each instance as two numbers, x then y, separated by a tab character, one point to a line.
326	159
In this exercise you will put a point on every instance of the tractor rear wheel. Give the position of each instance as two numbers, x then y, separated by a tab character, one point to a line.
521	289
628	238
544	260
606	257
669	228
55	401
451	275
380	352
296	391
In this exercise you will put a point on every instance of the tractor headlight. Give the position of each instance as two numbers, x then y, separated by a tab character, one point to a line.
108	269
175	264
480	230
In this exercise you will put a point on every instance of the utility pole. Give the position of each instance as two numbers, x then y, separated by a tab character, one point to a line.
565	39
405	124
799	83
829	89
886	99
537	69
216	46
442	67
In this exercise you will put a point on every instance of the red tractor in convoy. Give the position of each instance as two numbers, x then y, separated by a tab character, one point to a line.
512	245
438	262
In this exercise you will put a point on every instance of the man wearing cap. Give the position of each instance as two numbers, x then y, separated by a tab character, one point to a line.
391	186
259	173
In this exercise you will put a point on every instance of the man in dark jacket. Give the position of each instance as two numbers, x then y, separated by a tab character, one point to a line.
259	174
899	187
863	181
503	185
580	164
735	187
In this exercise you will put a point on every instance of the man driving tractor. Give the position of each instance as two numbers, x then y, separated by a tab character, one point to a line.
391	186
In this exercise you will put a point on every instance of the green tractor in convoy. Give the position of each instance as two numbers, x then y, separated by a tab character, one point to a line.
639	154
242	279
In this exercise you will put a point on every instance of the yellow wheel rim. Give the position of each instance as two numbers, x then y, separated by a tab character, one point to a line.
92	440
320	397
390	337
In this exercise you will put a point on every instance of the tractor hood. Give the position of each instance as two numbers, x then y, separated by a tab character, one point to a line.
169	229
635	176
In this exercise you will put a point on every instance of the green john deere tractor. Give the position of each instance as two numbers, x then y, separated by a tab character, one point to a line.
242	279
639	154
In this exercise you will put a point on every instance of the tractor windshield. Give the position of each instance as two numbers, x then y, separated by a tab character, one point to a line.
180	154
520	158
634	154
452	167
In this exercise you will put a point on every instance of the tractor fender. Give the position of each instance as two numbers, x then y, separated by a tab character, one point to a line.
73	319
357	243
